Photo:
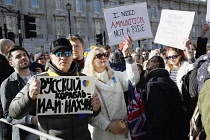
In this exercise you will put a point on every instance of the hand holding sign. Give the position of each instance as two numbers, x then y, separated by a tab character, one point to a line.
34	89
95	102
205	28
34	120
128	44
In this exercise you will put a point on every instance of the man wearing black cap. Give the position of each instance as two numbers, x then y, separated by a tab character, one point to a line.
68	127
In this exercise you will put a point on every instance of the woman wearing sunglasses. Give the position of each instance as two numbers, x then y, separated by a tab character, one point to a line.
177	64
110	124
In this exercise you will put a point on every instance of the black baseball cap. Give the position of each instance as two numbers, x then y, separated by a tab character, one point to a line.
60	43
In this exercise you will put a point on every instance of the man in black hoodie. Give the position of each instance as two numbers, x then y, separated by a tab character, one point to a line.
5	71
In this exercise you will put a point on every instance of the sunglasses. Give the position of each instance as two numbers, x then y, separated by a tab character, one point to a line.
66	53
172	57
70	35
100	55
42	58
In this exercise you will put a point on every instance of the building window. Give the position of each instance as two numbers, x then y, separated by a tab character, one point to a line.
9	2
39	49
11	24
97	6
34	3
80	27
154	12
58	4
38	26
194	31
154	28
60	28
98	27
113	4
79	5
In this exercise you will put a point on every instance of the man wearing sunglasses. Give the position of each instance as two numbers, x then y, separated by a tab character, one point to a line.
68	127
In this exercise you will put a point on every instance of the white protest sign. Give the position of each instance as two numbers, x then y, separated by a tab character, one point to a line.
125	20
174	28
208	12
65	95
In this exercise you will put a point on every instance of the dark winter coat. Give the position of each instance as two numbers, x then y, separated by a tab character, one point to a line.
9	89
68	127
5	69
165	116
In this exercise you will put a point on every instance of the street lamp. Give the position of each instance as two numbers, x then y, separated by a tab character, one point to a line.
68	7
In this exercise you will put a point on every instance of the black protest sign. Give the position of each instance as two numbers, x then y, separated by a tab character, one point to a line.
65	95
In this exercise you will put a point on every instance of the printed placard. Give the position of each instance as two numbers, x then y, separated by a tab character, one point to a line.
208	12
125	20
65	95
174	28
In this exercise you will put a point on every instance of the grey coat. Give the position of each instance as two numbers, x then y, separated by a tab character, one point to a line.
9	89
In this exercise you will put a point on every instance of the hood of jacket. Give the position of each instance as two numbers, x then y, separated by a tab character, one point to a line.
202	59
160	77
72	71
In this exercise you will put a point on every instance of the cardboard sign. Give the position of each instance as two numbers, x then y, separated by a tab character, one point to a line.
174	28
126	20
65	95
208	12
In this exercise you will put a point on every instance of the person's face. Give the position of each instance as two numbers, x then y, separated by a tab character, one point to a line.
78	49
62	62
174	57
140	60
47	56
100	61
19	60
108	52
139	69
42	60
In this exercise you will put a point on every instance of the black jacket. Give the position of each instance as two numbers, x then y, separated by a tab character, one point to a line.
165	116
68	127
5	69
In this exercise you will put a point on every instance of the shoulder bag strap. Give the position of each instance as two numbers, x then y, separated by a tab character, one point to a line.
99	91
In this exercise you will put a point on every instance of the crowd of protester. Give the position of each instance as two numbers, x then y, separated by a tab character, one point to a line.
158	110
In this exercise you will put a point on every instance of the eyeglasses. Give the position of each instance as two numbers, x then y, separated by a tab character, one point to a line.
100	55
70	35
42	58
172	57
66	53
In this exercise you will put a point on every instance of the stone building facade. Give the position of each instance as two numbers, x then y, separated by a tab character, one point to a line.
86	19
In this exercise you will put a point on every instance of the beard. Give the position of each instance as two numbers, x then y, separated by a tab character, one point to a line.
26	66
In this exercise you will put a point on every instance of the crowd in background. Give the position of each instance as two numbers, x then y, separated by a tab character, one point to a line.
162	109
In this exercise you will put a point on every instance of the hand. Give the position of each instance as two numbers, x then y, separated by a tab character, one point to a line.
38	70
205	28
115	128
187	45
95	102
189	52
128	44
34	120
34	89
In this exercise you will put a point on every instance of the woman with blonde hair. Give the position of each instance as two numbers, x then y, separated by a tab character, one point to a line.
110	124
177	64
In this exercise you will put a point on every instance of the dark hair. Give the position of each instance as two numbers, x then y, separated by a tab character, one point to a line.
106	47
155	62
15	48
